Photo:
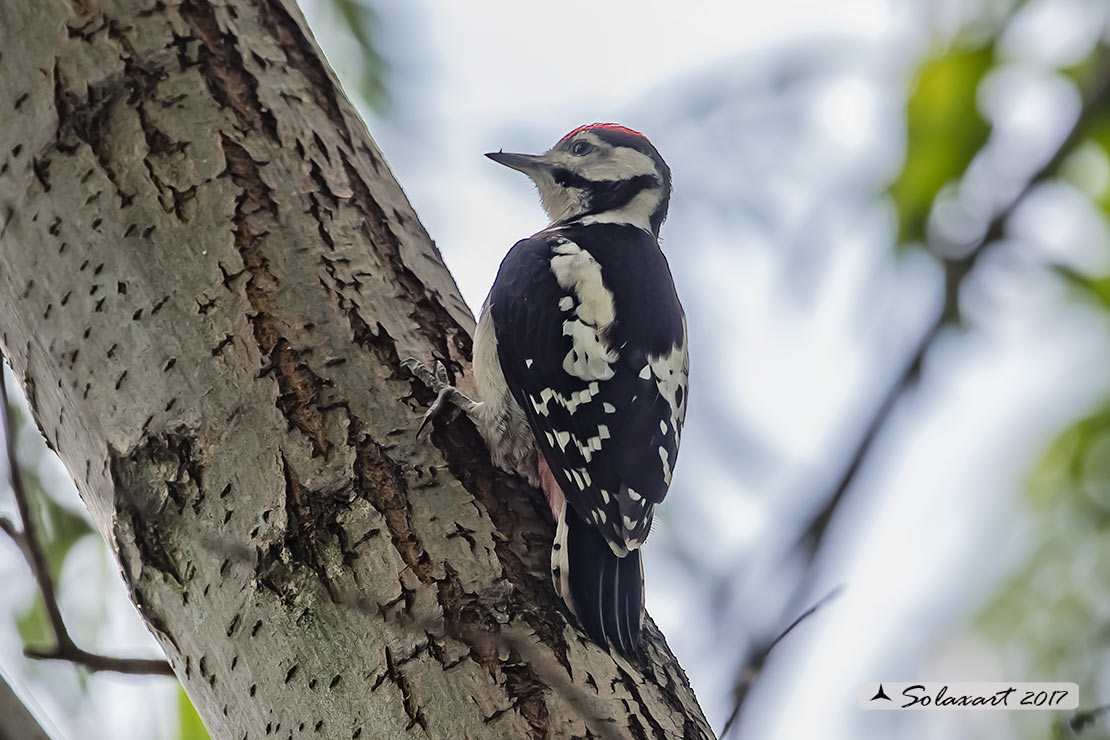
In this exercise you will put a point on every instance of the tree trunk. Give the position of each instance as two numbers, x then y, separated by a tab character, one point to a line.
208	278
16	720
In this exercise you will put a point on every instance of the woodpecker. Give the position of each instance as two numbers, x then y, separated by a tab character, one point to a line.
581	365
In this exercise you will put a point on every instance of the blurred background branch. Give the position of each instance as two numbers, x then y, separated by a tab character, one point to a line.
1095	102
755	665
1083	720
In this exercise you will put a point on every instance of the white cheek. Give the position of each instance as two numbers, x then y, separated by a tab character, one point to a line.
560	203
621	164
606	163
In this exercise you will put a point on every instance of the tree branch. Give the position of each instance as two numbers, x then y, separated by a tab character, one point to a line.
1083	719
755	666
96	662
9	528
30	545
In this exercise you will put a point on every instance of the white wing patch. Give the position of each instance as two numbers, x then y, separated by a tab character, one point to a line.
578	272
588	358
663	456
562	438
593	444
671	371
540	403
570	403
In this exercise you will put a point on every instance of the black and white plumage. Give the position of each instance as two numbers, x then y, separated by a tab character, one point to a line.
591	343
580	360
588	344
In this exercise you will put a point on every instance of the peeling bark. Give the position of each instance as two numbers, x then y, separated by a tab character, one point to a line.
208	278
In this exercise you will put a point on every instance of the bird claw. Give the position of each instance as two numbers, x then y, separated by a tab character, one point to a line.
437	381
441	373
433	380
443	401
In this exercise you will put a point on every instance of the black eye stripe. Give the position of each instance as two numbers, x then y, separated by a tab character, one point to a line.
612	194
569	179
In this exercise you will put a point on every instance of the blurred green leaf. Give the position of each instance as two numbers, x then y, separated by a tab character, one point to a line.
944	131
1099	133
1086	286
1050	615
34	627
61	530
191	728
1087	168
1064	465
361	21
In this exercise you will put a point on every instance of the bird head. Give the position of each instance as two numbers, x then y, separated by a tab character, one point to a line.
599	173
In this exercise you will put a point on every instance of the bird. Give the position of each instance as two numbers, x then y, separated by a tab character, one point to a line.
581	367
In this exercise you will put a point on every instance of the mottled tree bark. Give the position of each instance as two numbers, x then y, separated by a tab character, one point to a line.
208	278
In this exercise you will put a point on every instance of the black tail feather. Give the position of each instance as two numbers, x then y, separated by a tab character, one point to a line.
607	591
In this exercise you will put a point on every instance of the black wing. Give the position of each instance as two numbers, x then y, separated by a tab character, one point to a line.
592	342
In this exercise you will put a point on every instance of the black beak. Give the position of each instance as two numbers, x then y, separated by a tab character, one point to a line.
526	163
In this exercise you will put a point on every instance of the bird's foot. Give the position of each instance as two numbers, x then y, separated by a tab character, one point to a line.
447	396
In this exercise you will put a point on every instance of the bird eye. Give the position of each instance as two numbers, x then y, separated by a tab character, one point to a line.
580	148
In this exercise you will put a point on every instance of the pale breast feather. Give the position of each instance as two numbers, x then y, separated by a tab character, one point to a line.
592	343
